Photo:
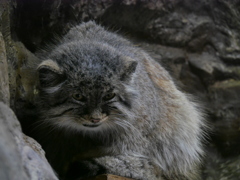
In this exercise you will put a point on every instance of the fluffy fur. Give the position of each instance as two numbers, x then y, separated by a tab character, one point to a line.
103	99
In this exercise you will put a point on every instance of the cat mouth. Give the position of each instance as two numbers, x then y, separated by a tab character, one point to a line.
91	125
96	124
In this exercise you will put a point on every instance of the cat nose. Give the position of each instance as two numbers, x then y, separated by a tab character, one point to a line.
95	120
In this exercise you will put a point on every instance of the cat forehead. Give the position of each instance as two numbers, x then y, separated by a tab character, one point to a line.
85	53
91	81
82	63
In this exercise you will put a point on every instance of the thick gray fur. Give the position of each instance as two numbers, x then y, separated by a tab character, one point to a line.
150	129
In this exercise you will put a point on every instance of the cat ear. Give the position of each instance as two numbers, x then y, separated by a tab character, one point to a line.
50	74
129	68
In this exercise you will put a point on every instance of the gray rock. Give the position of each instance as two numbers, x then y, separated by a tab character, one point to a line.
224	98
21	157
12	167
4	87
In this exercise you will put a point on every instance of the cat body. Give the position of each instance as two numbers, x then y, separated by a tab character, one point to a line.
108	104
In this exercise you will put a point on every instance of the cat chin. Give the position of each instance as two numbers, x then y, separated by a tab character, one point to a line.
92	127
80	127
74	125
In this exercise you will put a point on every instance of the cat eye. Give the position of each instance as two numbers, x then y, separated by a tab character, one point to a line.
109	96
78	97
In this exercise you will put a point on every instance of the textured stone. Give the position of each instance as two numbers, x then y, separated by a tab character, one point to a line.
108	177
21	157
4	86
11	166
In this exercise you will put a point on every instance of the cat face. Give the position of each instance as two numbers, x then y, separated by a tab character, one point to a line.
87	93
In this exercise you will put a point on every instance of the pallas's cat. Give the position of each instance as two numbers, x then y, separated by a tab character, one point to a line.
107	104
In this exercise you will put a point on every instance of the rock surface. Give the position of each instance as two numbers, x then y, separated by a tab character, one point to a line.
4	88
11	162
21	157
197	41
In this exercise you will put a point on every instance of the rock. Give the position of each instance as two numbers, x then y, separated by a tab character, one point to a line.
4	87
209	68
21	157
108	177
221	168
35	161
225	108
47	15
4	77
11	162
5	11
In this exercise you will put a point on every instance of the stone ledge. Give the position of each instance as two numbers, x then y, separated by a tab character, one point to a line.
108	177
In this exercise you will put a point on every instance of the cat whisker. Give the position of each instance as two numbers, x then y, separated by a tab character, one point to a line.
122	125
39	124
117	114
131	126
